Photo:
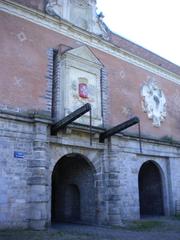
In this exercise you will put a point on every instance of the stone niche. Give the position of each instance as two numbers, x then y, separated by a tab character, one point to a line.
81	13
79	81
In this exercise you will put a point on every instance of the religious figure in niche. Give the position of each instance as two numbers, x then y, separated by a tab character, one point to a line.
154	103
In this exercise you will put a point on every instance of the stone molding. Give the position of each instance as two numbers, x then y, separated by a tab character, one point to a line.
25	117
92	40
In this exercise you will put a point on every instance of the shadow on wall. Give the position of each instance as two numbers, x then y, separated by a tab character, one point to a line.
73	192
150	190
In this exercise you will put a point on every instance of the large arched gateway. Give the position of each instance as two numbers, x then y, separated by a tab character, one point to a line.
150	190
73	190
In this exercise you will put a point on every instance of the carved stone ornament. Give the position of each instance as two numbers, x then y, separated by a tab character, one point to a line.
80	76
54	8
81	13
154	103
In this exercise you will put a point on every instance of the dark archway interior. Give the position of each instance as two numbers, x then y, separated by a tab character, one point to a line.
73	191
150	190
72	203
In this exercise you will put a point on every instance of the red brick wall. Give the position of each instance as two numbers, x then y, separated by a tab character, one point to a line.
125	83
23	63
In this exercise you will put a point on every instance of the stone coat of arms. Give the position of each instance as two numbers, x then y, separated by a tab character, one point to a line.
154	103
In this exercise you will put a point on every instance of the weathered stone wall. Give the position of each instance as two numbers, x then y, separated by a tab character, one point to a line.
28	153
75	143
16	137
38	182
125	163
74	197
174	181
23	175
26	181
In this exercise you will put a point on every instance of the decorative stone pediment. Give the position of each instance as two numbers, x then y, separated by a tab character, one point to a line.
154	102
81	13
80	74
85	54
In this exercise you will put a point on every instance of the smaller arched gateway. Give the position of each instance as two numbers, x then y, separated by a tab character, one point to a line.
73	190
150	190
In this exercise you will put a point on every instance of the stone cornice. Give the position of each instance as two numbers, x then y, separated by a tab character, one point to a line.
92	40
75	128
25	117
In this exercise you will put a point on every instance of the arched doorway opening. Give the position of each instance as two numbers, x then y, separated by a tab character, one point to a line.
150	190
73	190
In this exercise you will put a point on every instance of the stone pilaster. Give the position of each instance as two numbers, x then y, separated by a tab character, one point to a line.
38	189
114	195
173	164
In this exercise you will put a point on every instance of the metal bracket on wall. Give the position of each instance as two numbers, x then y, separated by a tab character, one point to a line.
72	117
112	131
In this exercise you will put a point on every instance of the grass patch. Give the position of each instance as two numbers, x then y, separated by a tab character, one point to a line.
21	234
177	217
145	225
57	234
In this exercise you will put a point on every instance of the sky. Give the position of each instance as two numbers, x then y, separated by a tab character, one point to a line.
152	24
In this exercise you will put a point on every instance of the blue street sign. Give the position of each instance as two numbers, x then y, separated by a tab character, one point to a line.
18	154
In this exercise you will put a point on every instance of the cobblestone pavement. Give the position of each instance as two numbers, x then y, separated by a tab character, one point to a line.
154	229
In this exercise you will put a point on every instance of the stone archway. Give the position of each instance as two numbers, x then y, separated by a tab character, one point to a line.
150	190
73	190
